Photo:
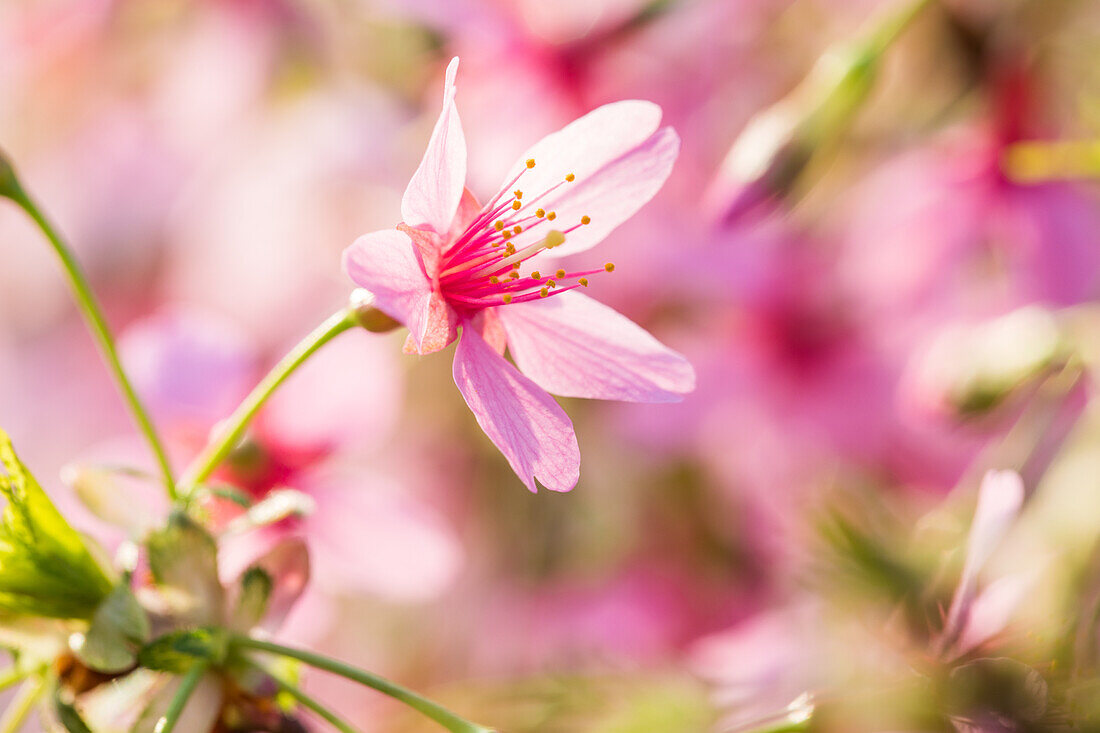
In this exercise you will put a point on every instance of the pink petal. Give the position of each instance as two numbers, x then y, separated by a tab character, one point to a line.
287	564
620	160
991	610
488	324
432	196
525	423
574	346
1000	498
388	265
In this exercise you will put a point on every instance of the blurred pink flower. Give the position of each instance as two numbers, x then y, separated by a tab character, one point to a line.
455	263
366	534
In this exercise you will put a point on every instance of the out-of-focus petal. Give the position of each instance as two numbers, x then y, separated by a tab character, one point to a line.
574	346
287	564
388	265
619	159
432	196
991	610
522	420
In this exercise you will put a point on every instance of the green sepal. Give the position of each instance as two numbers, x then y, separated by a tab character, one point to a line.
46	568
178	651
183	558
256	586
67	715
119	628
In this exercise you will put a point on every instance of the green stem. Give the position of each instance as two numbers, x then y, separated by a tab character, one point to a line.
179	700
438	713
19	708
93	314
13	676
232	431
300	695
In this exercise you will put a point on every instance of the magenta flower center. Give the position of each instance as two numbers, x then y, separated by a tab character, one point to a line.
482	267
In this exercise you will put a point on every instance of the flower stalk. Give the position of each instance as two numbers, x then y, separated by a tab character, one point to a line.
11	188
306	701
179	701
438	713
232	430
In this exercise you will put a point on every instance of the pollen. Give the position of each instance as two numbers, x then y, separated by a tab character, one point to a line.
518	193
610	267
551	284
494	280
516	205
540	213
515	266
510	249
583	281
513	275
506	234
517	229
530	162
560	274
536	275
543	293
554	238
552	215
570	177
586	219
499	225
507	298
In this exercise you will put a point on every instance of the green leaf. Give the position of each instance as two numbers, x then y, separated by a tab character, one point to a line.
178	651
46	569
119	628
183	558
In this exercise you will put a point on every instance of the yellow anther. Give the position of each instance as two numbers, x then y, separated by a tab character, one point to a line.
517	229
510	249
494	279
554	238
561	273
551	284
518	193
507	298
530	162
513	275
506	234
583	281
540	213
515	266
610	267
543	293
586	220
552	215
536	275
516	205
499	225
570	177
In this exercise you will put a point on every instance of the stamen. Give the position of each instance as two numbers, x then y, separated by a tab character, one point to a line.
518	193
586	220
540	213
583	281
560	274
494	280
517	229
536	276
530	162
570	177
610	267
543	293
552	215
499	226
516	205
551	284
508	296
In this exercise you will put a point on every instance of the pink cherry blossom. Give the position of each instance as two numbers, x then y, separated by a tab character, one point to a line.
454	264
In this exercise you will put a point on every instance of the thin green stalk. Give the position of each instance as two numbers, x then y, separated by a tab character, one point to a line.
179	700
300	695
13	676
19	708
438	713
93	315
230	434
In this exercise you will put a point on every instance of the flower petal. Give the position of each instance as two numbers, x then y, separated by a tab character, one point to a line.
433	193
619	159
523	421
388	265
574	346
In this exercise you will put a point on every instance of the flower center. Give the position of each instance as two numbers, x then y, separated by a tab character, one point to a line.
482	267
